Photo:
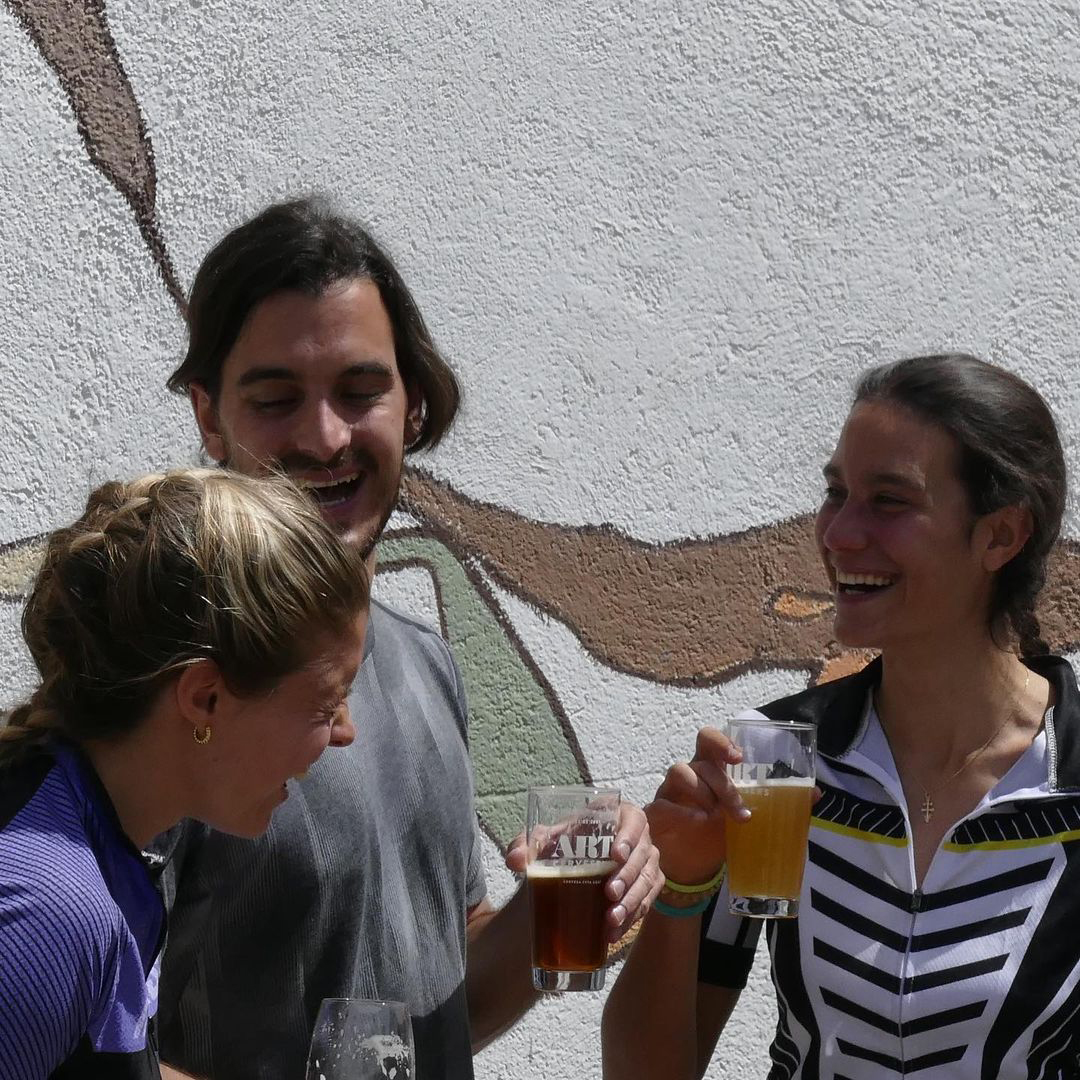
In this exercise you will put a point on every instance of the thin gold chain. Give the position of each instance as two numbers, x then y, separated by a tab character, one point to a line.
926	808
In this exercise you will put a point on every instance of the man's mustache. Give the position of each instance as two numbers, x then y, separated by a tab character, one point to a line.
356	460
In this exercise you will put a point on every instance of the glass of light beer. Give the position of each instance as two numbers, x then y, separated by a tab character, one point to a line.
570	833
766	855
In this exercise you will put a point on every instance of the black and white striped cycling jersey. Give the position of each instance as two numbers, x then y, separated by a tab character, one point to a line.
977	973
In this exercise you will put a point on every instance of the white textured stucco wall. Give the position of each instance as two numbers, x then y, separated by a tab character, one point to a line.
657	239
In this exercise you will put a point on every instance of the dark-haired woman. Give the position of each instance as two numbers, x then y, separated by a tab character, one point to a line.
196	634
937	928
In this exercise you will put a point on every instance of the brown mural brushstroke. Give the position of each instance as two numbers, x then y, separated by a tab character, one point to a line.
691	612
482	534
74	38
1059	602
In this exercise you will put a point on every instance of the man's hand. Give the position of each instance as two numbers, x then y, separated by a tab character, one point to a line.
636	884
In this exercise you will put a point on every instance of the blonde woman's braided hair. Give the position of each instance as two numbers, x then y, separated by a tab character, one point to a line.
167	570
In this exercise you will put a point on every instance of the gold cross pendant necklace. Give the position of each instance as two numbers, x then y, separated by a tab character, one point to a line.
927	806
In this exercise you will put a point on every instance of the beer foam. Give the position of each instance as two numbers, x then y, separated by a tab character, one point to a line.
389	1053
575	870
782	781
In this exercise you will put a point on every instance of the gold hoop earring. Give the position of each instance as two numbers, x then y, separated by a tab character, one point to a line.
201	737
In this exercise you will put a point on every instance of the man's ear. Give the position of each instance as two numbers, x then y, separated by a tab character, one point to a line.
1003	534
198	692
206	416
414	416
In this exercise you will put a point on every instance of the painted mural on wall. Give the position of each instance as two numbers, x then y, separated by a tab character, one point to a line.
693	613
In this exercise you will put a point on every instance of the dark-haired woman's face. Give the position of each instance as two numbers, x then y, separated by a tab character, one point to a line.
897	536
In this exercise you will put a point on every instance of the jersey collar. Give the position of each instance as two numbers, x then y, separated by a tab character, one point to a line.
839	710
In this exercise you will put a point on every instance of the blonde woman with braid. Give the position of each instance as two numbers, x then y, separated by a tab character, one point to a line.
196	634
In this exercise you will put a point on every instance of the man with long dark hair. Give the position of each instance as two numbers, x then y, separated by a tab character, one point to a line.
308	353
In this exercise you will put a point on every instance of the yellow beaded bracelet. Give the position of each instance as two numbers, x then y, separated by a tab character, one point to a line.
709	886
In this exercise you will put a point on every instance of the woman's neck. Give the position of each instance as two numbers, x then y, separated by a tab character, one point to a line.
940	702
136	776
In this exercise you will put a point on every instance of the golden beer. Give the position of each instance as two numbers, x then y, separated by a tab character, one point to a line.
568	905
766	855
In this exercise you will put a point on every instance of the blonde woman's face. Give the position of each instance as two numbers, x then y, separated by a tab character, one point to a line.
260	745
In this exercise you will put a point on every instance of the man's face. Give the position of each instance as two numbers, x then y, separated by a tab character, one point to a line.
312	386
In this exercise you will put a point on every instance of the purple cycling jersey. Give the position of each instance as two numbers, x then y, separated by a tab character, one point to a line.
81	924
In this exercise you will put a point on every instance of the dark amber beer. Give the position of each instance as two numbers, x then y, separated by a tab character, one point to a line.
568	906
570	831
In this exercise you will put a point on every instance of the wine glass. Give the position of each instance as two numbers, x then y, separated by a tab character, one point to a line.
357	1039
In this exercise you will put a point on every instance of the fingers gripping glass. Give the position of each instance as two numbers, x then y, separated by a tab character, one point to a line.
766	855
357	1039
570	833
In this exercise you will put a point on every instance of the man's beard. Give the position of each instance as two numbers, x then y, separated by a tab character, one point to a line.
367	545
287	466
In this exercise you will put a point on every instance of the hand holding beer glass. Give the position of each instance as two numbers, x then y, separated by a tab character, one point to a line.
775	779
569	836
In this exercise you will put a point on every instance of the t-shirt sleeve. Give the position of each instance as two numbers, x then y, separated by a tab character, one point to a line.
728	944
55	959
475	881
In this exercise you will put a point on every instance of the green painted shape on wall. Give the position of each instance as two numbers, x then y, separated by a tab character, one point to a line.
514	733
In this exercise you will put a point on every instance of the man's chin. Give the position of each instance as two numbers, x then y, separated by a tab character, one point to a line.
362	539
356	534
363	535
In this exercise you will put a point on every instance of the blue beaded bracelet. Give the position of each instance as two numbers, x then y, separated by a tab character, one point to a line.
681	912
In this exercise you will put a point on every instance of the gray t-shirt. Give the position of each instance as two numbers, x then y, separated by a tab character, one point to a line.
359	889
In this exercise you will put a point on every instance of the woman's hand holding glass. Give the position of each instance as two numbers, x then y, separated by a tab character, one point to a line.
688	817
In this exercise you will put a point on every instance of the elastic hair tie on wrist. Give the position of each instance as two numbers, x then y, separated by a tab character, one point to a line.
681	912
709	886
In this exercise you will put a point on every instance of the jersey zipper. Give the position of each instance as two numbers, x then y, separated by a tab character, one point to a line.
915	906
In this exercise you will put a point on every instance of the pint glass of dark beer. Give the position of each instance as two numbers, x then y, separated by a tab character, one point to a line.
570	834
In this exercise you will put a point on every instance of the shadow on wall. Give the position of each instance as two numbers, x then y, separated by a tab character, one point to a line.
688	613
